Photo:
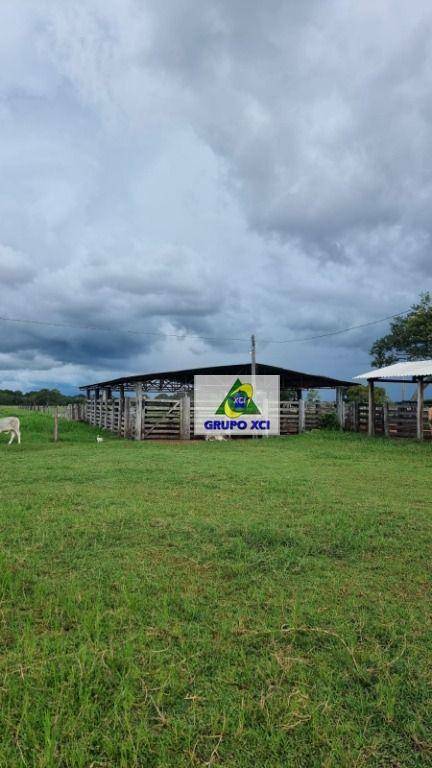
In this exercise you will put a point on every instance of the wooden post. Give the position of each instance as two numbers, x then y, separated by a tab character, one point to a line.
126	417
356	417
301	416
386	419
185	414
105	407
109	414
420	406
98	406
138	412
371	410
120	408
56	425
340	406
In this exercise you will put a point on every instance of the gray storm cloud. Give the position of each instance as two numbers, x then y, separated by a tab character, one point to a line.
233	168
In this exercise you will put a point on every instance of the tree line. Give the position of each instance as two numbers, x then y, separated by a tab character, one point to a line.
37	397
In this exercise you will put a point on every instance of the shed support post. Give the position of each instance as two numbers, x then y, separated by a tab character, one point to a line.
420	406
105	407
87	406
340	406
126	418
356	417
371	410
301	415
120	408
185	414
98	407
138	412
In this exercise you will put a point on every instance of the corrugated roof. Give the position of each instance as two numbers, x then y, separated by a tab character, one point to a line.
409	369
289	378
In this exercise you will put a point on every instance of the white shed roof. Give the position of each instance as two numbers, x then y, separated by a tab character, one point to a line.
400	370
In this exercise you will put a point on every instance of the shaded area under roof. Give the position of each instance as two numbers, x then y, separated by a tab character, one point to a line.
174	381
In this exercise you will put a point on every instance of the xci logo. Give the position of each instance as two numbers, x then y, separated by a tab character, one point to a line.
238	401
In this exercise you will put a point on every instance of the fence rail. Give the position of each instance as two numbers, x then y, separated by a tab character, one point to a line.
173	419
391	419
71	412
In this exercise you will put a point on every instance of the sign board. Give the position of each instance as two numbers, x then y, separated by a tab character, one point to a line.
236	405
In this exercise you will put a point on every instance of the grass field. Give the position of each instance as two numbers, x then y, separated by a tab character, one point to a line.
242	604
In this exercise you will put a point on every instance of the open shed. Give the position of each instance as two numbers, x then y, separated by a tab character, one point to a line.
417	372
128	406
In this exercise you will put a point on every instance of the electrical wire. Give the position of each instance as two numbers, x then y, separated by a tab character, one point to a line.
341	330
197	336
116	330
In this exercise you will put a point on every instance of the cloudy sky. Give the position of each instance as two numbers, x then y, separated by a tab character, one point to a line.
209	169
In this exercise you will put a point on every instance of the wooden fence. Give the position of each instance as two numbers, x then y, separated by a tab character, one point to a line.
71	412
155	419
391	419
174	419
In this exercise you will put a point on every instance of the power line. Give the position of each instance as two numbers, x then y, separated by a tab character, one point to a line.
116	330
341	330
183	336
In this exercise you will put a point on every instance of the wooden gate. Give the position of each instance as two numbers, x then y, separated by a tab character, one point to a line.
161	420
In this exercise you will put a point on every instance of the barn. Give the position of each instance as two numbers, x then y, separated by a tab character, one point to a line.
160	405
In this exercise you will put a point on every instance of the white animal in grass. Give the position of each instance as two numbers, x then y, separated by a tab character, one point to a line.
217	437
99	439
12	425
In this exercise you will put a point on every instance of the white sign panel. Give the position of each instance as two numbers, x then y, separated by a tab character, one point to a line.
236	405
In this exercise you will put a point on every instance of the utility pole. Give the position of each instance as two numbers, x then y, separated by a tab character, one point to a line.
253	356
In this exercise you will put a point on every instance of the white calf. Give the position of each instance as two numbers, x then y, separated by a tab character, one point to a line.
12	425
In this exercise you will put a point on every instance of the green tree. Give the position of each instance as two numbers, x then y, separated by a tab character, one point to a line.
37	397
288	394
9	397
313	396
359	394
410	336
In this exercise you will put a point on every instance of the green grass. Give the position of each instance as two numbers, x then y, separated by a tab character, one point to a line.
242	604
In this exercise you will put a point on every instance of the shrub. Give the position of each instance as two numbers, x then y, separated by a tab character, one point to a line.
329	421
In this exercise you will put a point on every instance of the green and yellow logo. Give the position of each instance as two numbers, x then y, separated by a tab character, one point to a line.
238	401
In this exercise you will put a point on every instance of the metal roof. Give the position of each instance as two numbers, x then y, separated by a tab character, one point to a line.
411	369
172	381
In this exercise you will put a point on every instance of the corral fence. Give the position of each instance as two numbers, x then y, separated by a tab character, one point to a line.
171	419
174	419
140	419
390	419
160	419
71	412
